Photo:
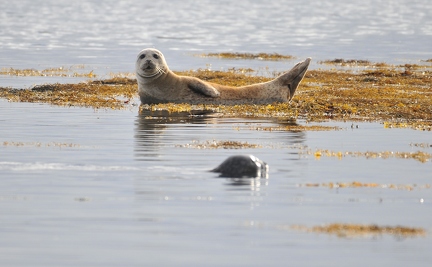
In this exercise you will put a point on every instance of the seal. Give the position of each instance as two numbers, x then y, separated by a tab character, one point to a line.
240	166
158	84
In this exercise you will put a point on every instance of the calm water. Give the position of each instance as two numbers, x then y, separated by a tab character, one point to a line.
114	188
107	35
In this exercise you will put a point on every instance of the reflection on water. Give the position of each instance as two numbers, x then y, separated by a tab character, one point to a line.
161	134
150	128
158	135
253	184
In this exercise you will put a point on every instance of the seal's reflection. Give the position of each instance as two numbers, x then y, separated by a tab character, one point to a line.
156	135
252	184
150	127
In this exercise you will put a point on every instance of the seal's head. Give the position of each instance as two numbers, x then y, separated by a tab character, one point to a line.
150	64
243	166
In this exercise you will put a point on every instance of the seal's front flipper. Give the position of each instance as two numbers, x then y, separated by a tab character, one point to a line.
203	88
293	77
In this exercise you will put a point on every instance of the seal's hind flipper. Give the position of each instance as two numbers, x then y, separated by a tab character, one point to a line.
292	78
203	88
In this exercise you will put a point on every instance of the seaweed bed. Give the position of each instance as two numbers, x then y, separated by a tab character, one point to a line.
74	71
398	96
358	230
356	184
259	56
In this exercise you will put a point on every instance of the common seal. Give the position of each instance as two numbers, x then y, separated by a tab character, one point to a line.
158	84
242	166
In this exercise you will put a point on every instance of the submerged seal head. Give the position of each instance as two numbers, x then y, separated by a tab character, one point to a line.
243	166
150	64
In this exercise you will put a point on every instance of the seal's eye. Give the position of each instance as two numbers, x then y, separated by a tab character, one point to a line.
156	56
142	56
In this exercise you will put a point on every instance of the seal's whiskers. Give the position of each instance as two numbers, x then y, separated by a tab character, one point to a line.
160	70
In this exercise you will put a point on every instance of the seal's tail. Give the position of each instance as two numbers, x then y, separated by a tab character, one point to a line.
293	77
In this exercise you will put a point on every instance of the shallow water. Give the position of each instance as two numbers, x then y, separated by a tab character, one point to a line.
84	187
115	188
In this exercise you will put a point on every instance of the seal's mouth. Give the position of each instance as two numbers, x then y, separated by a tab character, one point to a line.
149	69
144	76
148	66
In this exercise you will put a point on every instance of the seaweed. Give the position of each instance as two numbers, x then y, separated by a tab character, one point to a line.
50	72
394	95
418	155
358	230
219	144
93	94
349	62
259	56
356	184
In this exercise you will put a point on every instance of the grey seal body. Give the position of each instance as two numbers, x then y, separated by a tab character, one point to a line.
158	84
240	166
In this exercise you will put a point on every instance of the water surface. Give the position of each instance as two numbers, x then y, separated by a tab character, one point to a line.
107	35
121	191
